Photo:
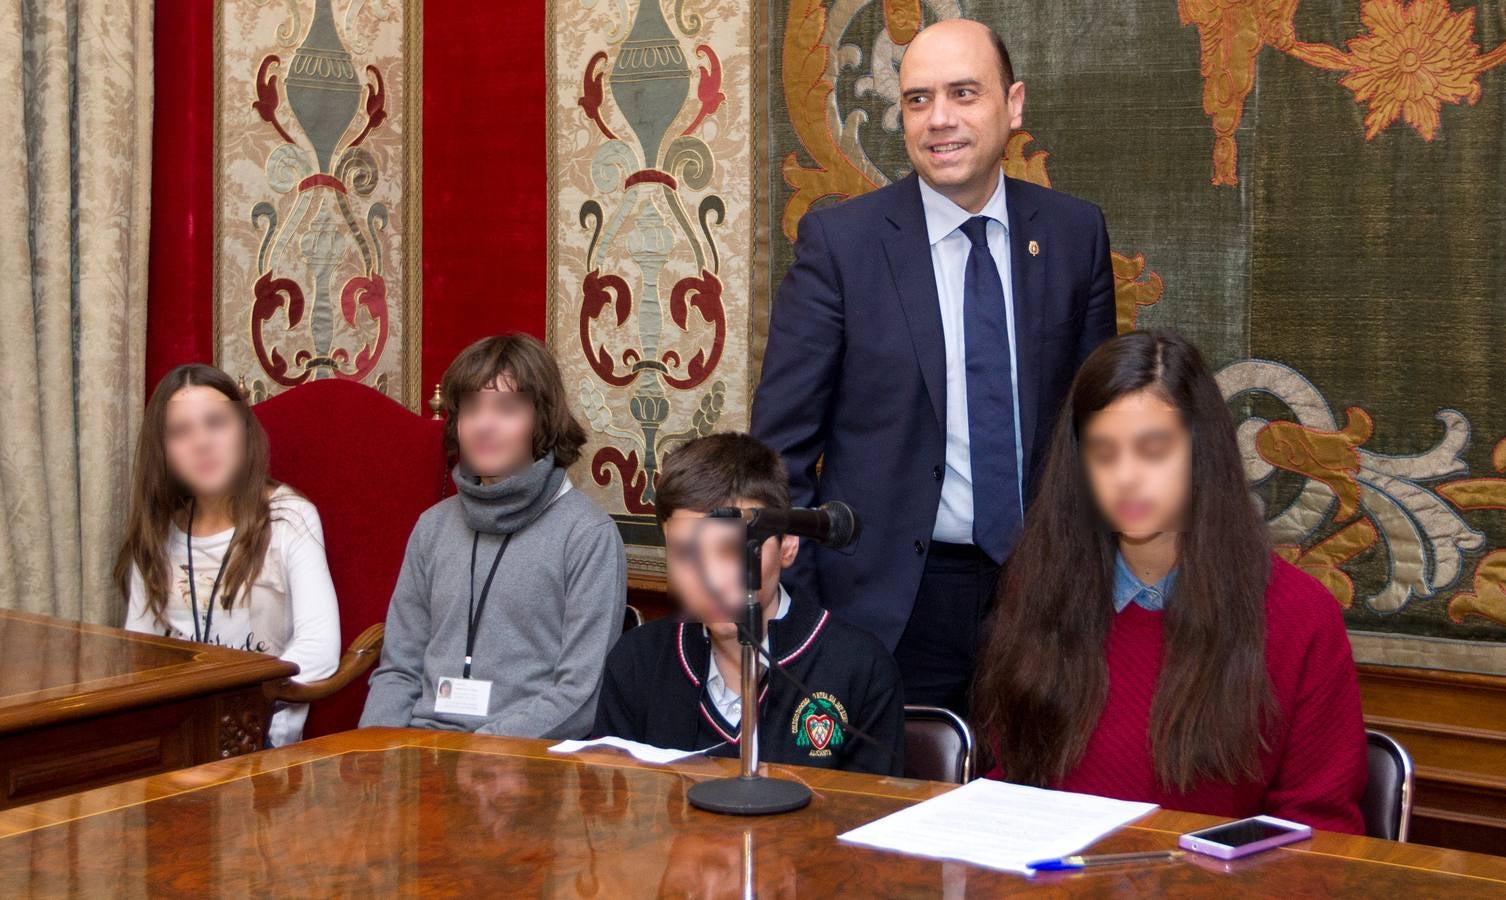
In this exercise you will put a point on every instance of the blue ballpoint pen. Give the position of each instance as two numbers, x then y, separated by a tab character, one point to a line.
1072	863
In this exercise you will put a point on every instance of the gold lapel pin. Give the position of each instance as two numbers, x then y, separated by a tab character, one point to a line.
1035	249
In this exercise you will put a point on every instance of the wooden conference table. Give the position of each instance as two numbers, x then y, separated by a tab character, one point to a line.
396	811
85	705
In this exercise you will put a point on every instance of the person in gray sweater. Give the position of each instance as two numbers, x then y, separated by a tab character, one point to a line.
512	591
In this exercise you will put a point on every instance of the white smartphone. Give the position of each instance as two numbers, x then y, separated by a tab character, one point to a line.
1235	839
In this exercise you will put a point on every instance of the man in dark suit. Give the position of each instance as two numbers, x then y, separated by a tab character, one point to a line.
919	349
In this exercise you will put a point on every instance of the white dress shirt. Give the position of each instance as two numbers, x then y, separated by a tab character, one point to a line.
729	700
949	252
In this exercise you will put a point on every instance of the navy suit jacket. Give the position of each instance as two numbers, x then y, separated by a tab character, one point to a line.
854	375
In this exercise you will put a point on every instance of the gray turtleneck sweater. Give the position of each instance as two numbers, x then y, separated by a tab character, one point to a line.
555	608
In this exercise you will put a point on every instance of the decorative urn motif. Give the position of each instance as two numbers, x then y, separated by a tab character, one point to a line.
322	85
650	79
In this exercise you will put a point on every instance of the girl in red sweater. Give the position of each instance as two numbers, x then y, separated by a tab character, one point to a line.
1147	644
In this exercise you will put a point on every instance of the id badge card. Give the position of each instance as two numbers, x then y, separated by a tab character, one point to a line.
463	696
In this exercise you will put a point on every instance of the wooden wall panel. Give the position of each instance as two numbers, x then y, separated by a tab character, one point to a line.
1454	725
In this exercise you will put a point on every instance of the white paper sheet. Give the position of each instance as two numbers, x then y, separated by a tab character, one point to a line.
643	752
999	825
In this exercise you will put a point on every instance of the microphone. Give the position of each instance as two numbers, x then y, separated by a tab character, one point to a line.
833	524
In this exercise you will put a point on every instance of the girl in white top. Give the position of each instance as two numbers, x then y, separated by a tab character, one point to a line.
215	550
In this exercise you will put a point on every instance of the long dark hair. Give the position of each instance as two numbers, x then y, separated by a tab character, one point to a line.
157	497
1043	677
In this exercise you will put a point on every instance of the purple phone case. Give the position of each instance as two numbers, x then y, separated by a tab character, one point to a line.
1191	840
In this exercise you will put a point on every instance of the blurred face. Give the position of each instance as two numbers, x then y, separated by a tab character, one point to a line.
719	543
492	788
957	111
1138	458
495	429
204	441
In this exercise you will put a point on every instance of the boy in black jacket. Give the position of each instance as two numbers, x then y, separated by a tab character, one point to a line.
674	682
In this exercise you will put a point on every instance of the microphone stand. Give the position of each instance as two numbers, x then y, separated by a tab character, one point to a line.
750	794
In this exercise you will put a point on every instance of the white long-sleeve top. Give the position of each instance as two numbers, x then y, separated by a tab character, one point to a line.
289	612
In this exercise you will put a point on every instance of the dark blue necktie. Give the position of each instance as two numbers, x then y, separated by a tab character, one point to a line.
990	399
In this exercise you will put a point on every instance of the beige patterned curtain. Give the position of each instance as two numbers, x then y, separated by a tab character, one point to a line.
75	180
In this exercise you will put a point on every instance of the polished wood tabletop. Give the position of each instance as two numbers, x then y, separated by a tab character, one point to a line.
53	670
84	705
398	811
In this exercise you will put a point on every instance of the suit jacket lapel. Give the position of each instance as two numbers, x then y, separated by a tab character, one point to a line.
909	251
1029	283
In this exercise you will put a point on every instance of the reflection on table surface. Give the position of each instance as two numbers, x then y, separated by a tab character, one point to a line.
386	810
47	664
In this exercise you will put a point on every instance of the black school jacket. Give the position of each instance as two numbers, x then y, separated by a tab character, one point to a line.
654	692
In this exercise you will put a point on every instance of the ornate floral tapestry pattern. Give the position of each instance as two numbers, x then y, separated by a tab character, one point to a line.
317	197
1412	57
651	164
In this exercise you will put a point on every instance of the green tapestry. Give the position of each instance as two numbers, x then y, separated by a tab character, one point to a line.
1312	190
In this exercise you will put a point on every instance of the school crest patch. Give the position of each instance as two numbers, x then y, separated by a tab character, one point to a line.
819	724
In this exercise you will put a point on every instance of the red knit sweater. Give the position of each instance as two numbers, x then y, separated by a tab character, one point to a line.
1314	771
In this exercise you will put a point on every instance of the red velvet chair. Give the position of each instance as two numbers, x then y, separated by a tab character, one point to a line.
371	467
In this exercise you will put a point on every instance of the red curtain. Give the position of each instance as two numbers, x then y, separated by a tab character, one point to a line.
485	183
484	180
180	273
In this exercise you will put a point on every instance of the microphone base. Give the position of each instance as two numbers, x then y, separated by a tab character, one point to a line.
757	796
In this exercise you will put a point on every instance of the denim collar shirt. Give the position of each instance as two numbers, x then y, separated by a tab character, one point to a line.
1129	589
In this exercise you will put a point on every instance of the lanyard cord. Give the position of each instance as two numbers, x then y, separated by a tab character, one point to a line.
193	591
473	616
